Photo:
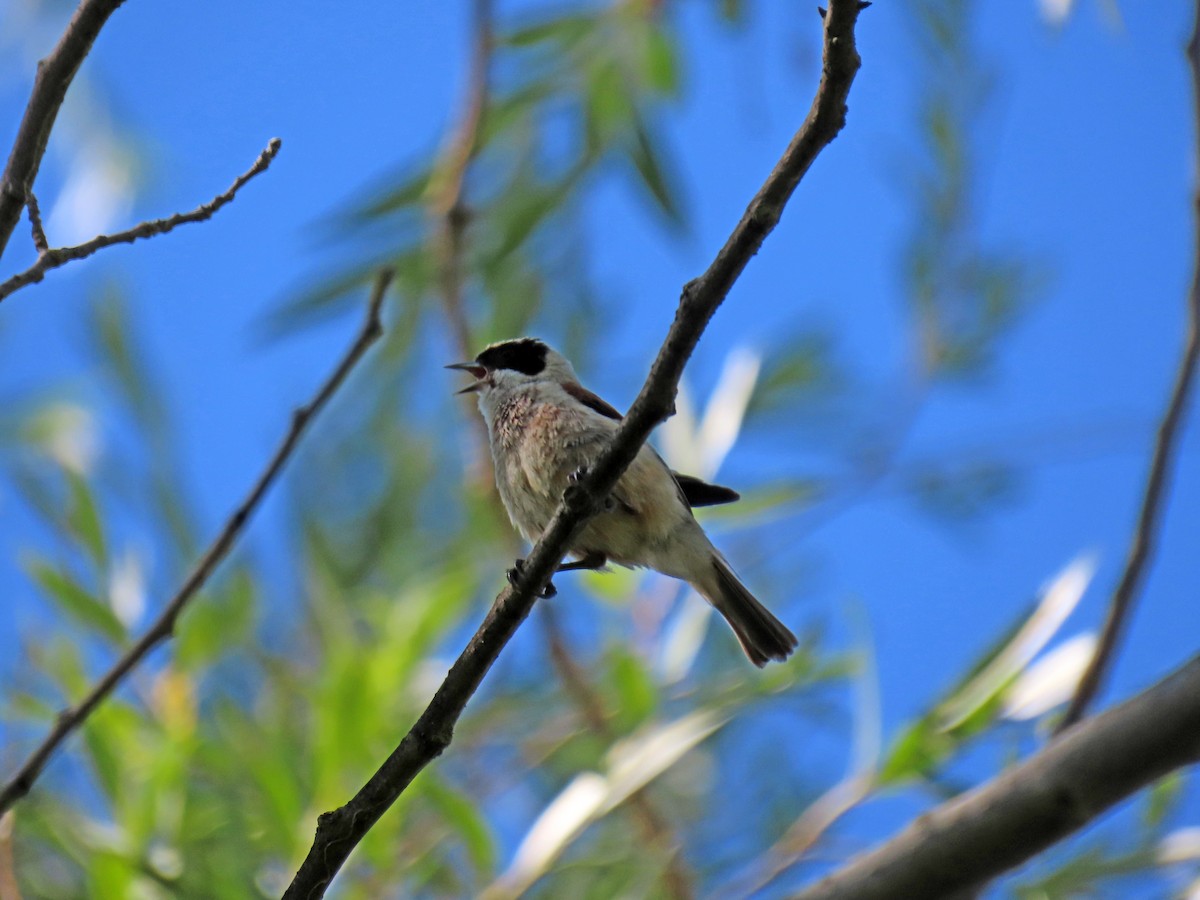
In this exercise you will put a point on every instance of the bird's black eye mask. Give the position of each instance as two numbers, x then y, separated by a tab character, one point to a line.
527	356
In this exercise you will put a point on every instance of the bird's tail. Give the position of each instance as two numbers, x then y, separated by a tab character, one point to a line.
761	635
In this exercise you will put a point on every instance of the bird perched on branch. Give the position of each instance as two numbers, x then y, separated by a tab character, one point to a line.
546	430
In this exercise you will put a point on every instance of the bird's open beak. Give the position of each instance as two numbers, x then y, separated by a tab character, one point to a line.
476	370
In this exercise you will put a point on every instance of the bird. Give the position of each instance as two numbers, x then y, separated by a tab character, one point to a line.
545	430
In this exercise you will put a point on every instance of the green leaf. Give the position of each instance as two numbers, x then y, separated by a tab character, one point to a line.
460	813
919	750
660	61
76	601
1163	798
83	518
565	30
218	623
645	157
111	331
633	684
609	109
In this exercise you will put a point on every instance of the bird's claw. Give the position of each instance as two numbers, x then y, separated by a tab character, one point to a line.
514	576
576	478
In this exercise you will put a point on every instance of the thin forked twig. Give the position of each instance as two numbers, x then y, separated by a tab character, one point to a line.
54	75
1145	533
339	832
60	256
164	626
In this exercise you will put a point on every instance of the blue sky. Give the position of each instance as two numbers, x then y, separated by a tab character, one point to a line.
1086	155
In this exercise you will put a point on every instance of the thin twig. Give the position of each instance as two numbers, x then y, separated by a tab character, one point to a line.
60	256
1149	520
70	719
35	224
339	831
54	75
677	880
979	835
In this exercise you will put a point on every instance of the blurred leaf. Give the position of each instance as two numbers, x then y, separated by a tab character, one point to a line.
218	623
963	491
1164	798
645	158
609	108
74	600
111	330
920	750
460	813
633	684
732	11
564	30
807	367
347	289
83	518
109	735
661	61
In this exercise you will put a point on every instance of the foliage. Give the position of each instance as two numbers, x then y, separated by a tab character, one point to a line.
295	674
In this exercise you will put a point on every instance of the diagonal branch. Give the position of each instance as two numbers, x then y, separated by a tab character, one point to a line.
979	835
164	626
338	832
54	75
1145	533
60	256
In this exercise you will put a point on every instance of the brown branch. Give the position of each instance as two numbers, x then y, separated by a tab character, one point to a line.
677	880
35	224
164	626
54	75
453	215
60	256
979	835
339	831
1145	533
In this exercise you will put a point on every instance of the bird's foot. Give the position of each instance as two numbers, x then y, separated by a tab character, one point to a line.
589	561
518	569
575	479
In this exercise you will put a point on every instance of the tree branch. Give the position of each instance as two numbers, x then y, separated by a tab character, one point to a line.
1149	518
54	75
52	259
981	834
40	244
164	626
339	832
453	215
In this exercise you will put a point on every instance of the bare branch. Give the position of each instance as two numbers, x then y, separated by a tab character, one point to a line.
338	832
1145	533
981	834
452	214
70	719
54	75
52	259
35	224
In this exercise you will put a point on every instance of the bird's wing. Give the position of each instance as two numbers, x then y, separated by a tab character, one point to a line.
590	400
692	491
701	493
